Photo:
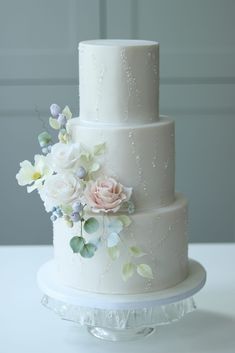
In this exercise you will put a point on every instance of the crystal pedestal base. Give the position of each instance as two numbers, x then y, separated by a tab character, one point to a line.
120	317
120	335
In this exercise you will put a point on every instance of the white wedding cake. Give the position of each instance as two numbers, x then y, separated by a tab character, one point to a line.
139	235
109	183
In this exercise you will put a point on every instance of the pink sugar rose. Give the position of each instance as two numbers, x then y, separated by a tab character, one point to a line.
106	195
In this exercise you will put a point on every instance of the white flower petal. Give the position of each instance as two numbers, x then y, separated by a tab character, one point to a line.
24	176
35	186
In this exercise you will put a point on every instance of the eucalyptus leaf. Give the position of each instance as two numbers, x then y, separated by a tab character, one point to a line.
77	243
91	225
99	149
127	270
44	139
112	240
54	123
115	225
114	252
145	270
126	221
88	250
136	251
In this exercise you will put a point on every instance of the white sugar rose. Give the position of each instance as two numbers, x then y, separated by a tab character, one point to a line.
106	195
65	157
60	189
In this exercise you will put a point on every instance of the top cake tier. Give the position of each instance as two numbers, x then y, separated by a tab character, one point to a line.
119	81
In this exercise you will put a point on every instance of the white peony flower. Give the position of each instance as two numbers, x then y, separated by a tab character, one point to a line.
35	174
65	157
60	189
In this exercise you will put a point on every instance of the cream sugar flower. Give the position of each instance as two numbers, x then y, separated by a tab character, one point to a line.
34	174
106	195
65	157
60	190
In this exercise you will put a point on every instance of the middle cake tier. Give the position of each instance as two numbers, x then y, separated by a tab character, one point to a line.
142	157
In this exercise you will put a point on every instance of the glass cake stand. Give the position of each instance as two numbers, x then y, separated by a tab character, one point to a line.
120	317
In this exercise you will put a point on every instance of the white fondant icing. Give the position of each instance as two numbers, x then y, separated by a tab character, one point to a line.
140	156
119	81
161	234
119	90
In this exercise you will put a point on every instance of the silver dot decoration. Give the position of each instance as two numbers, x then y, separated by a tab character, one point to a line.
137	161
151	56
148	285
154	164
154	160
99	85
131	83
166	164
162	240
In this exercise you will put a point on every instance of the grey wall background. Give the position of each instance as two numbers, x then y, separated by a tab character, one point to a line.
38	66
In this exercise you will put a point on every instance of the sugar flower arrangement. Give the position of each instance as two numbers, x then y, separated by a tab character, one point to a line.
70	180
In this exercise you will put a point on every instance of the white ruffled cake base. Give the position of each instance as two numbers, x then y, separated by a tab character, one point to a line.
120	317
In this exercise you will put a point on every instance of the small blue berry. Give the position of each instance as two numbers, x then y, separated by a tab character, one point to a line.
55	110
62	120
75	217
77	206
53	209
53	217
49	148
81	172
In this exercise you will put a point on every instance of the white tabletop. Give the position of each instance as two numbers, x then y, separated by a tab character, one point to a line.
27	327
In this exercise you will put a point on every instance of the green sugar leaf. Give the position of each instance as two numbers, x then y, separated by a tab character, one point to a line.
114	252
126	221
99	149
88	250
77	244
94	167
136	251
44	139
67	209
91	225
127	270
67	113
54	123
145	270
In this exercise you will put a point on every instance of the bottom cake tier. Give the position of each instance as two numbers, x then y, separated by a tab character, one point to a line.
152	253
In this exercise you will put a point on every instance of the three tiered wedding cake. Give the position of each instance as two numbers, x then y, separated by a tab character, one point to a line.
119	226
119	109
